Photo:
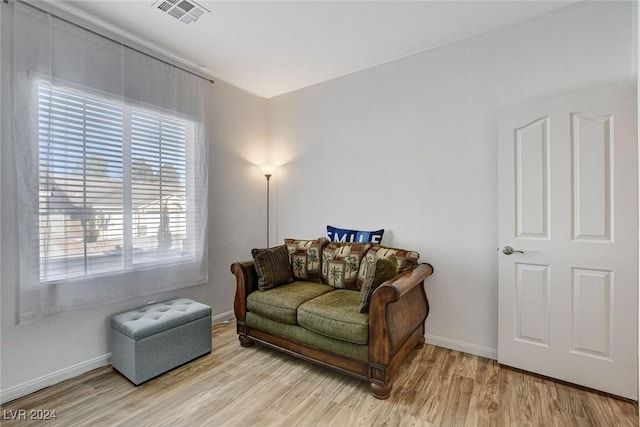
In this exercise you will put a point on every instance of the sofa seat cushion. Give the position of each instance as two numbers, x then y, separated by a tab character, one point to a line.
336	315
304	336
280	304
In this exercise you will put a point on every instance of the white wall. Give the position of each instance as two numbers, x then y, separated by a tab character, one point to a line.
66	344
410	146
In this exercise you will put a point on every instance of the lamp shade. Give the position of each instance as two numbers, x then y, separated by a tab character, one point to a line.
268	169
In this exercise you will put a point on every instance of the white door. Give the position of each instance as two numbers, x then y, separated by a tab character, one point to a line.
568	200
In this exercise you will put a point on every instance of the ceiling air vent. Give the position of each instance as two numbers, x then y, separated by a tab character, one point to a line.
186	11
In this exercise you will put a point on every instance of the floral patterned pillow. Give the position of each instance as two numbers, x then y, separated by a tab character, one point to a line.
305	257
378	271
341	263
404	260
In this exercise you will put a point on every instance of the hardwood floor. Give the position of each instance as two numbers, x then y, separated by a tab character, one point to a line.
256	386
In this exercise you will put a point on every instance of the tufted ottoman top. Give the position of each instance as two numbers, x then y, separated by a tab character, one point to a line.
152	319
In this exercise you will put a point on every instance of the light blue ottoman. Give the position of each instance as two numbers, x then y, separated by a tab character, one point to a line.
157	338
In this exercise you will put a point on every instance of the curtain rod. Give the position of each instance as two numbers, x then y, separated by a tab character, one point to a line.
106	34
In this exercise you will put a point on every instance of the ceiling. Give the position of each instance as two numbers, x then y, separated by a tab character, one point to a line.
269	48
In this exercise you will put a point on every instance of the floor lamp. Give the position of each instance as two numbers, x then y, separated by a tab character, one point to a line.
268	170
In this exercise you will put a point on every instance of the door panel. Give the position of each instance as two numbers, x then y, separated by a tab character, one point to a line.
532	179
568	201
592	178
592	312
532	304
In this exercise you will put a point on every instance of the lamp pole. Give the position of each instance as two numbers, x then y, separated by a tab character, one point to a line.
267	170
268	176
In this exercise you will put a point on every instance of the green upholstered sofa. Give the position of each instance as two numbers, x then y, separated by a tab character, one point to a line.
329	325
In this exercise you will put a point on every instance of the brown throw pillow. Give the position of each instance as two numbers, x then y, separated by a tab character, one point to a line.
272	266
378	271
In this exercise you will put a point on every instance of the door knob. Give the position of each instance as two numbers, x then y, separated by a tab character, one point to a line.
508	250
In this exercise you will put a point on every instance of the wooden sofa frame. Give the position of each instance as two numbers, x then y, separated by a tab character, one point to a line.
398	310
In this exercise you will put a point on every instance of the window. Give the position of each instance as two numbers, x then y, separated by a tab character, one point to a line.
112	186
108	182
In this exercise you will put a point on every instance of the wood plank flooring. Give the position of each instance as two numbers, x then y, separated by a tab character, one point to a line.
256	386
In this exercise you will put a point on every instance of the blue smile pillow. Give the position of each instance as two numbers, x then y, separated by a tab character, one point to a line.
353	236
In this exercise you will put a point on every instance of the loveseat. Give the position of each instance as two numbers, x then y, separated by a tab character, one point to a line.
358	308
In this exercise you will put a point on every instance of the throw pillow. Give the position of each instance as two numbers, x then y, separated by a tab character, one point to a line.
306	258
353	236
341	263
404	259
377	271
272	266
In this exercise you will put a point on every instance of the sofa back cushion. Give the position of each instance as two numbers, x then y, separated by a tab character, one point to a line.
272	266
405	259
376	272
306	258
341	262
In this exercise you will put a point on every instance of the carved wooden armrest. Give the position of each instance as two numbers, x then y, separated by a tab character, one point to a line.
397	313
246	282
403	283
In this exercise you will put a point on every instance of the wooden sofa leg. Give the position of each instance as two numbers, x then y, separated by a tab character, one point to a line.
245	341
380	392
420	343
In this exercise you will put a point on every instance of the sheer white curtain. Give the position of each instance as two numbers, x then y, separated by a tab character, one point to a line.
110	151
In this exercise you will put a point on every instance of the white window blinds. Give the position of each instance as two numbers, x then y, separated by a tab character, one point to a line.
112	187
158	192
80	185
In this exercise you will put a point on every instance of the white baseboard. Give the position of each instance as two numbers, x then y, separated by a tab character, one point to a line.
478	350
219	318
53	378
